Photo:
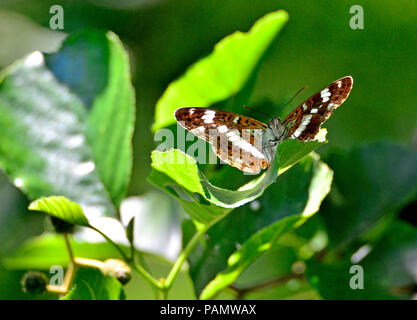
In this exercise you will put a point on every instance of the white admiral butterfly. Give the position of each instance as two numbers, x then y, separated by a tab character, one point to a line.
250	145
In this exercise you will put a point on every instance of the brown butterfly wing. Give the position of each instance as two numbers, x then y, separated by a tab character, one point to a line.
234	137
305	121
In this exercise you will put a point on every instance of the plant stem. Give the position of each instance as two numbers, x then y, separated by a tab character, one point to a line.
162	294
242	292
141	271
184	254
138	268
68	244
122	253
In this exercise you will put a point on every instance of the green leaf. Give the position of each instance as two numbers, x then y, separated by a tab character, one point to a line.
150	230
252	249
82	64
52	142
110	99
130	230
388	269
371	182
178	174
111	123
42	148
276	267
92	284
252	229
222	73
61	208
17	223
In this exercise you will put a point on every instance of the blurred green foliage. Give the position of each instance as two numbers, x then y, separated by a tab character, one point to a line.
371	149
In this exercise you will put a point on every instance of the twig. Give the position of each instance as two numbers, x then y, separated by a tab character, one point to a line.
242	292
69	249
136	267
184	254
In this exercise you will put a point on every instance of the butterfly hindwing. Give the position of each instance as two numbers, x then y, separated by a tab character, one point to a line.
305	121
236	139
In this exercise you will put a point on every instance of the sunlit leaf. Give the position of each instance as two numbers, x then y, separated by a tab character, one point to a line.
96	68
52	142
61	208
42	146
111	123
178	174
222	73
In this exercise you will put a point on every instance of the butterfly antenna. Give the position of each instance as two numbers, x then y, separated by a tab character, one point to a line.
264	113
289	101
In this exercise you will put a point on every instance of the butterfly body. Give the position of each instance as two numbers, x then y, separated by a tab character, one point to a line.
273	135
249	144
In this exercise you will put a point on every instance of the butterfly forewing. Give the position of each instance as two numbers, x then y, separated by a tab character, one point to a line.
236	139
305	121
